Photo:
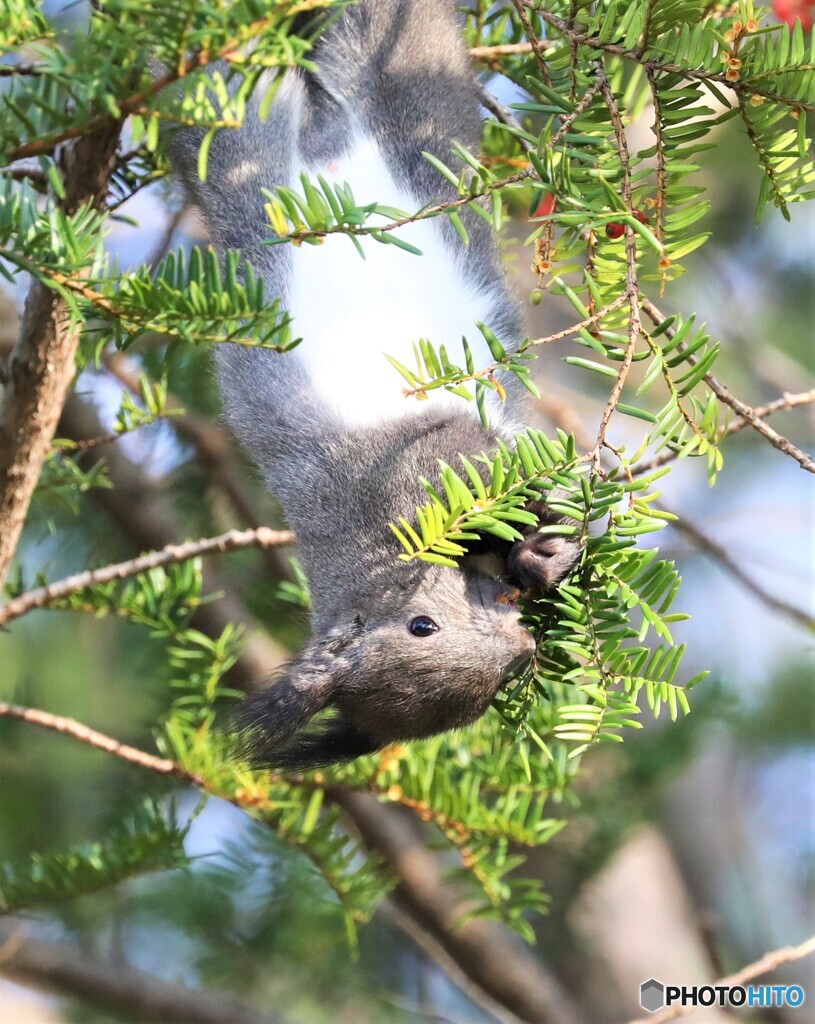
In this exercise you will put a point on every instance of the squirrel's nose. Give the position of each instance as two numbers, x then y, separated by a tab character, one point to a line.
521	640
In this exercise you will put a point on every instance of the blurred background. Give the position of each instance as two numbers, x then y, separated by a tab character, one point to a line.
690	849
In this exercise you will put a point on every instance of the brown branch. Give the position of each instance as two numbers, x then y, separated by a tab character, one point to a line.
724	560
42	362
741	408
578	37
502	968
769	962
232	540
143	511
534	42
501	50
135	102
787	401
98	740
632	278
116	987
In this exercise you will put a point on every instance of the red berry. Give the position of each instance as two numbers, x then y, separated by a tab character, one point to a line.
789	10
545	206
640	216
614	229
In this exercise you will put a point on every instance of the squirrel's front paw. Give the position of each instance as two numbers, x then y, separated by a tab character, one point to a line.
541	561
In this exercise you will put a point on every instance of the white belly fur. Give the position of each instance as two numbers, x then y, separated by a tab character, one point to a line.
350	311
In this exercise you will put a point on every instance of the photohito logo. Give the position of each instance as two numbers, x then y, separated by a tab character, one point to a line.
654	995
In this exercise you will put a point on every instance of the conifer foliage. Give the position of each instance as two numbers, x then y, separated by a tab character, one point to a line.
612	226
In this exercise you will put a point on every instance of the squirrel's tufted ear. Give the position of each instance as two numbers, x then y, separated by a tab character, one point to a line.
269	719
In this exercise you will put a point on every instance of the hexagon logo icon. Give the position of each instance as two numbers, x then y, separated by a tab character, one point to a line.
652	995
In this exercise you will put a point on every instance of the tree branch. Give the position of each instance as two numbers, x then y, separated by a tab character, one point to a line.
92	738
632	276
232	540
503	969
719	555
118	988
787	401
147	517
42	362
769	962
742	409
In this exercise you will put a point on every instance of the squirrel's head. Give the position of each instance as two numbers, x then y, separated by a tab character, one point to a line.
403	665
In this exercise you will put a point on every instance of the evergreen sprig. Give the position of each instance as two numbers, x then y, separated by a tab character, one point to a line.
149	840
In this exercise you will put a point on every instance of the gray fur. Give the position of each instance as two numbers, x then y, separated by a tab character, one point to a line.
400	65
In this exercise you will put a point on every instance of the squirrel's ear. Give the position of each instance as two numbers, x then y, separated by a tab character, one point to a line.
269	719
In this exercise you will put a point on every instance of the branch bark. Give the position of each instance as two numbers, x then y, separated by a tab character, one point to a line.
497	963
42	362
119	989
743	410
232	540
145	515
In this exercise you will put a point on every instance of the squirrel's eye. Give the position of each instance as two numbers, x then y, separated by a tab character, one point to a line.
422	626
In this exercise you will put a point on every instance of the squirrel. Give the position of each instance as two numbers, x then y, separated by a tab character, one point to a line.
400	650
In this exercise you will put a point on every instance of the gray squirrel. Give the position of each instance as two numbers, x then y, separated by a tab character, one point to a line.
400	650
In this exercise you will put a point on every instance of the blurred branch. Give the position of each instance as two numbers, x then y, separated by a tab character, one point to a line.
213	450
42	362
83	733
145	514
501	113
232	540
740	408
116	987
502	969
495	963
769	962
719	555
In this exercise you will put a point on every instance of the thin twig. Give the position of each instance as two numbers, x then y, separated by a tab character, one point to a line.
232	540
632	278
742	409
135	103
98	740
534	42
724	560
501	50
576	36
787	401
769	962
489	371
